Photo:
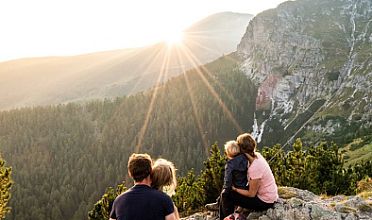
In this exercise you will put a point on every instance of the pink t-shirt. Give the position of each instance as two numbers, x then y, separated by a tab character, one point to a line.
260	169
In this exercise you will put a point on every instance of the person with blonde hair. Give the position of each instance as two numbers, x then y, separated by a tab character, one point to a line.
236	167
262	191
142	202
163	178
235	176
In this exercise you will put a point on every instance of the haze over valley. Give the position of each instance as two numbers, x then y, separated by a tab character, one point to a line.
54	80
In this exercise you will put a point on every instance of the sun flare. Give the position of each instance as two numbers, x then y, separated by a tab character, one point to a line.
174	38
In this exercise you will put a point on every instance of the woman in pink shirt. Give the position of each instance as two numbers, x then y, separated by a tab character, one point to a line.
262	192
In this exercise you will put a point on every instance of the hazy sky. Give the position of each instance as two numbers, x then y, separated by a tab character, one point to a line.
66	27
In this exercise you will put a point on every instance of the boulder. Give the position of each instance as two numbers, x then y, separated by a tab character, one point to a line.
297	204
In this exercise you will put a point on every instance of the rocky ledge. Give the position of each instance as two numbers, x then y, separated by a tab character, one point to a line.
295	204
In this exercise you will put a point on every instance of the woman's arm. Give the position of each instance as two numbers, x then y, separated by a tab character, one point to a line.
254	184
177	215
171	216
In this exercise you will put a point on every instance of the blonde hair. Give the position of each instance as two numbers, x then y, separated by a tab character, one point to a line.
232	148
164	176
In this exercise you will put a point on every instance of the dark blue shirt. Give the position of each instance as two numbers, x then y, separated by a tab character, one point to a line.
236	173
142	202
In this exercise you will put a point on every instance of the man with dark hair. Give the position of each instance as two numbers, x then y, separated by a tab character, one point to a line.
141	202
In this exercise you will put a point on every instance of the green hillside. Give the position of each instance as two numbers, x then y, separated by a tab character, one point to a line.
63	157
354	155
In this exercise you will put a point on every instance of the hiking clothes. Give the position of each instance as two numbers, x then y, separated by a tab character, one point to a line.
142	202
260	169
230	199
236	173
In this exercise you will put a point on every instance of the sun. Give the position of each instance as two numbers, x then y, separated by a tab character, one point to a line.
173	38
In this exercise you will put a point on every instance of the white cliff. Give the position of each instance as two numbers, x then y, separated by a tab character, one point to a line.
311	56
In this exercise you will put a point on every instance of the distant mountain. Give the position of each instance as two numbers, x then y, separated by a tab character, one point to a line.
311	61
217	34
53	80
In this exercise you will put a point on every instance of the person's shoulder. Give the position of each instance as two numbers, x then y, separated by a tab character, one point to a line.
242	159
160	195
123	194
121	197
234	161
261	158
239	157
258	154
259	161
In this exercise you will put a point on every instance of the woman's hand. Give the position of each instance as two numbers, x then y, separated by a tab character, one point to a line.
253	188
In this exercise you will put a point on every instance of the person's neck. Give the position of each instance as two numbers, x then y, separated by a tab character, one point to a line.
146	181
251	158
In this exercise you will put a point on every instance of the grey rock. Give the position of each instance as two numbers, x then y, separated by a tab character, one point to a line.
304	205
287	44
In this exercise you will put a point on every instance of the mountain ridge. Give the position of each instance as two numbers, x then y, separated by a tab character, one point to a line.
308	59
55	80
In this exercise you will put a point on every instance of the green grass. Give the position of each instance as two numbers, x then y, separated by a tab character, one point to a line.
355	156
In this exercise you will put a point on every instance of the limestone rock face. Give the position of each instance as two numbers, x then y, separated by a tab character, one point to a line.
296	204
310	58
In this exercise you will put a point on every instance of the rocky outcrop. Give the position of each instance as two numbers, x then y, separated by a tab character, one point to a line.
306	51
295	204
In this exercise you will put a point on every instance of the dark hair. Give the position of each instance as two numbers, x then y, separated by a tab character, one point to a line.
247	144
139	166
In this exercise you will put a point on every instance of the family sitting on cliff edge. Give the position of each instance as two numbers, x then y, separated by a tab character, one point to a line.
248	183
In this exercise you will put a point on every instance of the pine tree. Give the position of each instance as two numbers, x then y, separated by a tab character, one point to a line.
212	175
189	194
102	208
5	185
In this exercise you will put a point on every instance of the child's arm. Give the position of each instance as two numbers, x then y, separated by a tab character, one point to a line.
227	181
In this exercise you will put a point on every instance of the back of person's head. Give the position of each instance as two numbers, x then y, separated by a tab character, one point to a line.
139	166
163	176
232	148
246	143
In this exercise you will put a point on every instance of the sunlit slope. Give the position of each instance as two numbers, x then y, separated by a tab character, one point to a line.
53	80
63	157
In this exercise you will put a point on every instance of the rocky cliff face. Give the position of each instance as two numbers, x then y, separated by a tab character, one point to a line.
297	204
311	61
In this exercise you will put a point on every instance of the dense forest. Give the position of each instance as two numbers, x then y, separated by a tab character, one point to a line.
63	157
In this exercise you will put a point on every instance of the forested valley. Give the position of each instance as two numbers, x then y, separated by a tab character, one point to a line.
63	157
